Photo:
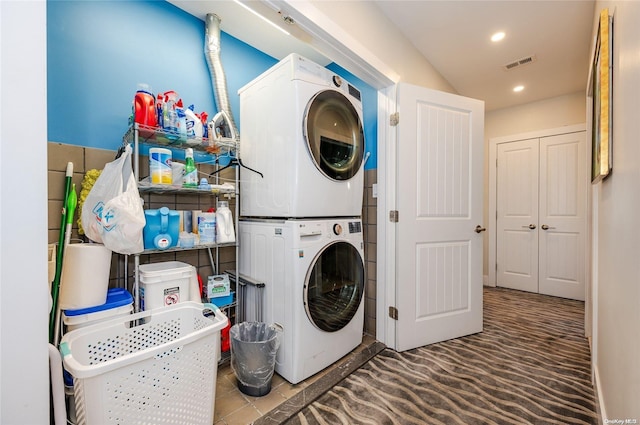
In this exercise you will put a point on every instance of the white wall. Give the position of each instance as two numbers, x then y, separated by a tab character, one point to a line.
548	113
535	116
24	367
618	250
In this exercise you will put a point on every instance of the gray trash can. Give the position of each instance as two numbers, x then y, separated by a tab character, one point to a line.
253	356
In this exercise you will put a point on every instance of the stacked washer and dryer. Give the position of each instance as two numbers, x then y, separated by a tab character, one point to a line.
300	225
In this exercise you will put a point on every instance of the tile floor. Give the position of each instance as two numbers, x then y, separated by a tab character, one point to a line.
235	408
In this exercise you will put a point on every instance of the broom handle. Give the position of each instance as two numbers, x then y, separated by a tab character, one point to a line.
55	287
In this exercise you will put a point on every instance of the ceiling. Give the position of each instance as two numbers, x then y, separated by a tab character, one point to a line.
454	36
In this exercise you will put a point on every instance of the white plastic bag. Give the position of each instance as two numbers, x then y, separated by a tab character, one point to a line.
112	214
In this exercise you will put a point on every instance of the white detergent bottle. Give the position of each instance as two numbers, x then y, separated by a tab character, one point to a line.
224	223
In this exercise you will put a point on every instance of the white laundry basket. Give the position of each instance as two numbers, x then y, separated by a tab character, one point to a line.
162	371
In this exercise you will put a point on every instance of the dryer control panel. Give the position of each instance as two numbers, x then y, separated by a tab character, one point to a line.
355	227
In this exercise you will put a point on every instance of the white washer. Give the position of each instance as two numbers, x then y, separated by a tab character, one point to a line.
313	272
301	126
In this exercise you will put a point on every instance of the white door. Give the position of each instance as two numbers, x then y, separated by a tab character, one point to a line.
563	223
517	215
540	215
440	152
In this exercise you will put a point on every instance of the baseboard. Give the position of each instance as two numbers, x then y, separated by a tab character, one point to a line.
600	409
485	281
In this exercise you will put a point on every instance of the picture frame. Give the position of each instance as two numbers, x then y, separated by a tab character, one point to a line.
600	91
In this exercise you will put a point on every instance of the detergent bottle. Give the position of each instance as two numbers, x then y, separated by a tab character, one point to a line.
144	104
194	125
224	223
182	120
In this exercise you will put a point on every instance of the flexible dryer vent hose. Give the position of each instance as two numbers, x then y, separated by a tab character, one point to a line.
218	79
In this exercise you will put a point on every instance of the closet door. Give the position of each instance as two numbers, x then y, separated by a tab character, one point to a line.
517	215
541	215
562	241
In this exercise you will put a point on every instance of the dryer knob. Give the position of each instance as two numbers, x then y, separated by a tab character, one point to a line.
337	229
337	81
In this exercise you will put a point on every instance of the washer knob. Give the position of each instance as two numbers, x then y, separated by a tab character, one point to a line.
337	81
337	229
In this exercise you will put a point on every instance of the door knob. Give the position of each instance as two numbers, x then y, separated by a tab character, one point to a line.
545	227
479	229
531	226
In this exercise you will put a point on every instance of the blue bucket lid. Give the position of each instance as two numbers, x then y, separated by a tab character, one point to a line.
116	297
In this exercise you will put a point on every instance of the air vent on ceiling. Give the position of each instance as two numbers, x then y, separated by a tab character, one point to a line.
522	61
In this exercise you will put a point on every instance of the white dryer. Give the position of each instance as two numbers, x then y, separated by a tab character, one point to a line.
301	126
313	272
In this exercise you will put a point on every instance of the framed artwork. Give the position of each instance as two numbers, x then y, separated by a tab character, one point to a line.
601	89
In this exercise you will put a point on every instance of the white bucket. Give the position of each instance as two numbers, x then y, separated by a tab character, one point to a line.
163	284
119	303
160	166
85	276
91	319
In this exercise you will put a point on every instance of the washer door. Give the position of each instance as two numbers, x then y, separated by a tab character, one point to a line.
334	286
334	135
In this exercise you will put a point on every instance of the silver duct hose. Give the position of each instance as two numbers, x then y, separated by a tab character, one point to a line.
218	79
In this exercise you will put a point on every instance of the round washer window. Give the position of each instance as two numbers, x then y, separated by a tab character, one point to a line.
334	287
334	135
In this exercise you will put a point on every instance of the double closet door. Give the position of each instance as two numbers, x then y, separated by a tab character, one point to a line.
541	215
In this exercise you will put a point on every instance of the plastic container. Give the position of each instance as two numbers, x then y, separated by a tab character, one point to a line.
162	371
225	339
225	232
223	301
207	227
164	284
145	113
186	240
162	228
218	286
119	303
160	166
254	346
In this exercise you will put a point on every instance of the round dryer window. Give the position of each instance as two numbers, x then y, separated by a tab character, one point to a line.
334	135
334	286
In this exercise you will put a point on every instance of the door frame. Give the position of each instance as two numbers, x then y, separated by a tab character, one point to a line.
386	231
493	163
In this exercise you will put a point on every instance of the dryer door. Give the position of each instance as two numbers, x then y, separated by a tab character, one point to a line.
334	134
334	286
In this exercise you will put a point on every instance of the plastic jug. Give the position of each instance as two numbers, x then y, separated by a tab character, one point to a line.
207	227
162	228
145	109
224	221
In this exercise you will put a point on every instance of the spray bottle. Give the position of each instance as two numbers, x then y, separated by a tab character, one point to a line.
170	117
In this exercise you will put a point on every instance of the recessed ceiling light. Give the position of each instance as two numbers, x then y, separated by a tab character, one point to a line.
518	89
497	36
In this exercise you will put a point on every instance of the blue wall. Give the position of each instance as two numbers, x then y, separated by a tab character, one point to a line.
98	51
